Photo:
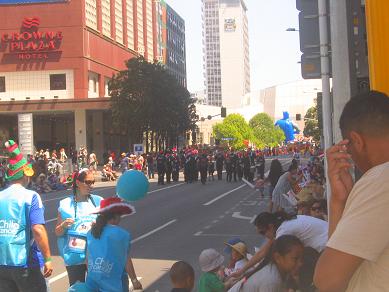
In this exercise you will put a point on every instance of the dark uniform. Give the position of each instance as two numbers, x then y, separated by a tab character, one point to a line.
211	168
228	163
169	168
260	165
203	168
161	168
234	160
176	168
219	165
239	168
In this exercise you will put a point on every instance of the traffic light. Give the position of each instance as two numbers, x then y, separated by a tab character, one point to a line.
309	38
223	112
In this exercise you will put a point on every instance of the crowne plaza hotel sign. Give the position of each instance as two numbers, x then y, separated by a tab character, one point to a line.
31	43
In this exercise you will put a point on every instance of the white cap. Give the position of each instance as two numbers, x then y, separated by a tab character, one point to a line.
210	259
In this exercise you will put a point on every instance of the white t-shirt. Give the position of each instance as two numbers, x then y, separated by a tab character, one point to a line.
267	279
311	231
363	230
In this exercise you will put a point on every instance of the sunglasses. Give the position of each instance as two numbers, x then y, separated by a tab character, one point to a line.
316	208
89	182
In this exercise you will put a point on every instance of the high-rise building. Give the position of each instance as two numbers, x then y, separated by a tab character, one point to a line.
171	41
226	52
56	60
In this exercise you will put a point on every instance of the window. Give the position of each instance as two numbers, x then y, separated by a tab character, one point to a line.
2	84
57	81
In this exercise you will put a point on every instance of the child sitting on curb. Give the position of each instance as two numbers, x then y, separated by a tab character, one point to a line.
211	263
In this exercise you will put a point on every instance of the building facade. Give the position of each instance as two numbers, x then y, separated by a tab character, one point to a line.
293	97
226	52
56	61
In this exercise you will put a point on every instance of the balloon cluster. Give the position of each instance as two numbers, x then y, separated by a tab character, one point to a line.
132	185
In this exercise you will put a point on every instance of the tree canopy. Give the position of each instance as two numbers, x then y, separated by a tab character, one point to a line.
264	131
147	102
234	126
312	124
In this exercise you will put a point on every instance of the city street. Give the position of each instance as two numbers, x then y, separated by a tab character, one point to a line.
174	222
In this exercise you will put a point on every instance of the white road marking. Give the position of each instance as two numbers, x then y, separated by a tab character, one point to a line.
58	277
169	187
198	233
238	216
223	195
51	220
153	231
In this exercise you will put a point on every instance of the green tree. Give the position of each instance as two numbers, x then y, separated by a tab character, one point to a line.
311	128
264	131
234	126
148	103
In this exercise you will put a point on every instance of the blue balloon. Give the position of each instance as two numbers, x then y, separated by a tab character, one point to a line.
133	185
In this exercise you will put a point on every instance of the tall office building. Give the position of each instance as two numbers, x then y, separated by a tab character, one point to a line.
226	52
170	43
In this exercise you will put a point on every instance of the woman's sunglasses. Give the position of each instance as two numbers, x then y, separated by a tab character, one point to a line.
89	182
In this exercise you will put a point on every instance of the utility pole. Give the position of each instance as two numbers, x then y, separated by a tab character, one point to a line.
325	77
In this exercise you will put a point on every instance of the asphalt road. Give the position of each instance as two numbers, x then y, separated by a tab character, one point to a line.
174	222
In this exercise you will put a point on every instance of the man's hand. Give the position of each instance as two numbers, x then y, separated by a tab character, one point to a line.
339	166
48	269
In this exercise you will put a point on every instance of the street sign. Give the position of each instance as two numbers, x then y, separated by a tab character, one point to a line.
227	139
26	133
138	149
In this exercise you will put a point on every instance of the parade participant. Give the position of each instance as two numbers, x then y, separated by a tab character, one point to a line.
228	166
23	237
109	249
150	165
260	164
246	166
169	167
176	168
161	167
73	222
219	165
211	167
234	162
203	168
239	166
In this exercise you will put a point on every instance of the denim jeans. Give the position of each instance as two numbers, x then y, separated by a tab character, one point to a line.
15	279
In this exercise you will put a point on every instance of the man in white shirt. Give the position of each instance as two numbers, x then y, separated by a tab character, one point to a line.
357	254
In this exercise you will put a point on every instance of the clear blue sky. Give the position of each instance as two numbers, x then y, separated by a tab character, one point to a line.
274	53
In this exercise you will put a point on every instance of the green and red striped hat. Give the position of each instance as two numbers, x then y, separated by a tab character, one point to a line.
17	164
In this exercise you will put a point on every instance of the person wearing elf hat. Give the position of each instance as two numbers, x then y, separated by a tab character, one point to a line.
108	249
23	236
73	223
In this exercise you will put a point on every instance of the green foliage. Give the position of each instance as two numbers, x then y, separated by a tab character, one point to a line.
146	98
264	131
234	126
311	124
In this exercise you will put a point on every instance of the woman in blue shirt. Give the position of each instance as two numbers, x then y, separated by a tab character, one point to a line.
108	250
74	220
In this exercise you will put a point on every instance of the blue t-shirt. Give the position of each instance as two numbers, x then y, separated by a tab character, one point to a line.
36	216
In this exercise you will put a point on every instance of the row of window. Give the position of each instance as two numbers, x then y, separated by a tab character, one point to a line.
57	82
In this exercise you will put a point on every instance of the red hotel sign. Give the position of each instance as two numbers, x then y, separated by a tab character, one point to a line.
30	43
